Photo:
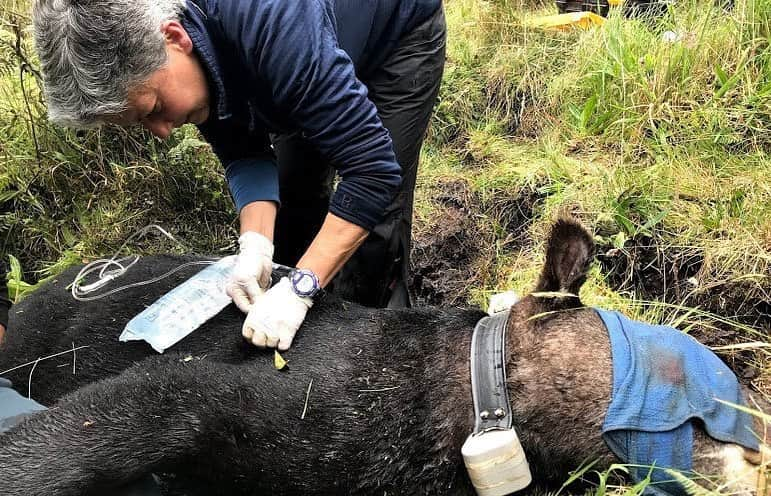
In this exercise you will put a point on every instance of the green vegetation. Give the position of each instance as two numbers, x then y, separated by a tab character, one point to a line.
67	196
660	147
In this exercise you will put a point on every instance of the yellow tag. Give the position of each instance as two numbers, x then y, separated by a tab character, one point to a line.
278	361
564	22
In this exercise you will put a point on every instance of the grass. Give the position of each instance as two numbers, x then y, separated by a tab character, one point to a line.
68	196
650	143
660	148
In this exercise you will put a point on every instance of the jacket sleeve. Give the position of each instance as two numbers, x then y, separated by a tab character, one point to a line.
291	47
5	302
250	166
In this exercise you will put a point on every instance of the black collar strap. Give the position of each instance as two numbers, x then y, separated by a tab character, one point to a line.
488	374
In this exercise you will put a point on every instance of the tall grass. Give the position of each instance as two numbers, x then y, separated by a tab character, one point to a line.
649	141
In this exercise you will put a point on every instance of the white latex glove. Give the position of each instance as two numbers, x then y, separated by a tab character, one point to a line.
251	273
275	317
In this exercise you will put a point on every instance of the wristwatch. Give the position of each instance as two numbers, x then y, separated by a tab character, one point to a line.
304	283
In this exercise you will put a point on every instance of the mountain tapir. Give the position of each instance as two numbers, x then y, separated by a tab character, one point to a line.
371	401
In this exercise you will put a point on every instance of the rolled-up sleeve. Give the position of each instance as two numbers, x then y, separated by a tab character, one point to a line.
250	165
251	180
292	48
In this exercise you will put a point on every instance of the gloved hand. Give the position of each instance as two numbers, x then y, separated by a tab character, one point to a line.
251	273
275	317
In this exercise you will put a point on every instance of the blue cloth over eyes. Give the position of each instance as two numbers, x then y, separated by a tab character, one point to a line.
662	380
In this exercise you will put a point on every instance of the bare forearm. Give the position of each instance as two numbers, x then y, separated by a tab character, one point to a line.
335	243
259	216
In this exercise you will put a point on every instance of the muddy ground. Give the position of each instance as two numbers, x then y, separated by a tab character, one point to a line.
453	252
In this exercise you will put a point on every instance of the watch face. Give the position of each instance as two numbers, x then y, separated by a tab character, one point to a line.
305	283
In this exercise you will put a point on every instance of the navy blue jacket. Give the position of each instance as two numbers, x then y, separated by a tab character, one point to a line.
281	66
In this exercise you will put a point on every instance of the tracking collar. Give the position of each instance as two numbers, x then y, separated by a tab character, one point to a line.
488	374
493	455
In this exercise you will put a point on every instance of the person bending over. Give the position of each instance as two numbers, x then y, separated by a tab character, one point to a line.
287	93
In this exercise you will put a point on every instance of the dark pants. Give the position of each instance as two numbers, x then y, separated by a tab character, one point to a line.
404	90
14	407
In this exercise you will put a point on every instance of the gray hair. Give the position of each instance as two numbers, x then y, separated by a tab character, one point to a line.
93	51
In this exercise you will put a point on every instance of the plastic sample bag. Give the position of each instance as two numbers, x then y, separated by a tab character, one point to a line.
183	309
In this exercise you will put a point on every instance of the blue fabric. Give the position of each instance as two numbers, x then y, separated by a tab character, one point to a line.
13	406
252	178
650	453
662	379
277	66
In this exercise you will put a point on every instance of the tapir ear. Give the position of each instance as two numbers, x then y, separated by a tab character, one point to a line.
569	253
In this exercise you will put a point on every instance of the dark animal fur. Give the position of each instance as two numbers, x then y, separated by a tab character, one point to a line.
388	410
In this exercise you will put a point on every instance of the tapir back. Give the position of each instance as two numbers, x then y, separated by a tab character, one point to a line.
51	321
369	398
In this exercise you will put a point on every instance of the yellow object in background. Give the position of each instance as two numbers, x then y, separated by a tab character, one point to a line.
614	3
564	22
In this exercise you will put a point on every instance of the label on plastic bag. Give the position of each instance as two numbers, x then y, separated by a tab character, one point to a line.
183	309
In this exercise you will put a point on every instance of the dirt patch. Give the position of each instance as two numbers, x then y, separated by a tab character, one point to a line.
642	266
454	251
442	260
653	271
444	249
